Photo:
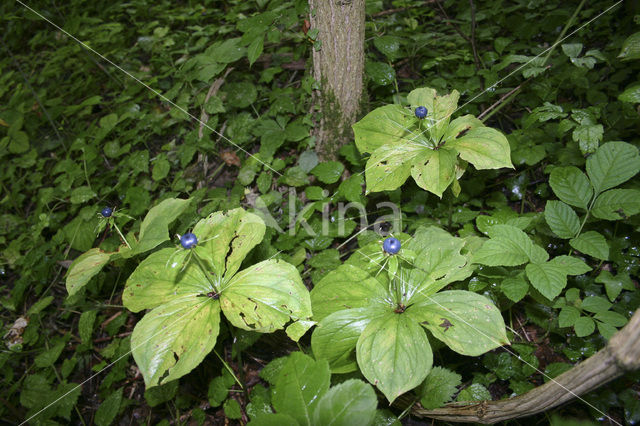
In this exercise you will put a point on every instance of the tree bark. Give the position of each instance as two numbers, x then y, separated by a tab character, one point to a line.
338	67
622	354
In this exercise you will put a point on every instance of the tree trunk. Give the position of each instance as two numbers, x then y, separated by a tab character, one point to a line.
338	66
621	355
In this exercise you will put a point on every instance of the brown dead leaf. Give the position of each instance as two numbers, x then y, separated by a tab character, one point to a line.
231	158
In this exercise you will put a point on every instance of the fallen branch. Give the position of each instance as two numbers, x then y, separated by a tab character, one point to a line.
622	354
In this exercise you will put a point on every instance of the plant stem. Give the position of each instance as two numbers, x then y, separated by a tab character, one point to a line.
204	271
229	369
563	32
120	233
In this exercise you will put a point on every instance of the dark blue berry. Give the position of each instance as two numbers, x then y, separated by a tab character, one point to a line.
421	112
189	240
391	245
106	212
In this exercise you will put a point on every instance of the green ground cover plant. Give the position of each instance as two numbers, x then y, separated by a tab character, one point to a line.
179	252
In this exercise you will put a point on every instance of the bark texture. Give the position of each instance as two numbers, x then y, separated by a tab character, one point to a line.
339	68
621	354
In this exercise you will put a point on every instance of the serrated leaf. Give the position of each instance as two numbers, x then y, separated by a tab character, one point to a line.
548	278
475	392
328	171
584	326
467	322
172	339
154	229
439	387
612	164
571	186
592	243
84	267
336	336
352	402
588	137
571	265
617	204
515	288
614	285
299	386
265	297
561	218
108	409
434	170
568	316
612	318
595	304
394	354
81	195
509	246
484	147
255	49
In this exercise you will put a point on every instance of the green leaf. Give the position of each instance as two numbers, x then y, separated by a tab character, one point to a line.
467	322
631	94
588	137
273	419
439	387
224	240
595	304
475	392
591	243
612	318
380	73
484	147
614	285
299	386
508	246
266	296
584	326
172	339
336	336
161	277
434	170
389	46
389	124
109	408
352	402
49	356
548	278
85	325
617	204
515	288
440	108
81	195
84	267
328	172
394	354
344	288
571	186
571	265
255	49
612	164
155	226
630	48
568	316
561	218
390	165
232	409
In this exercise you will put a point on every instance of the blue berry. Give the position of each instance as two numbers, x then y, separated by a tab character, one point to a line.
391	245
421	112
189	240
106	212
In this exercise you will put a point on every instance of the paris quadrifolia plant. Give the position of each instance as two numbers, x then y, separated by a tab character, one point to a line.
426	144
185	290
